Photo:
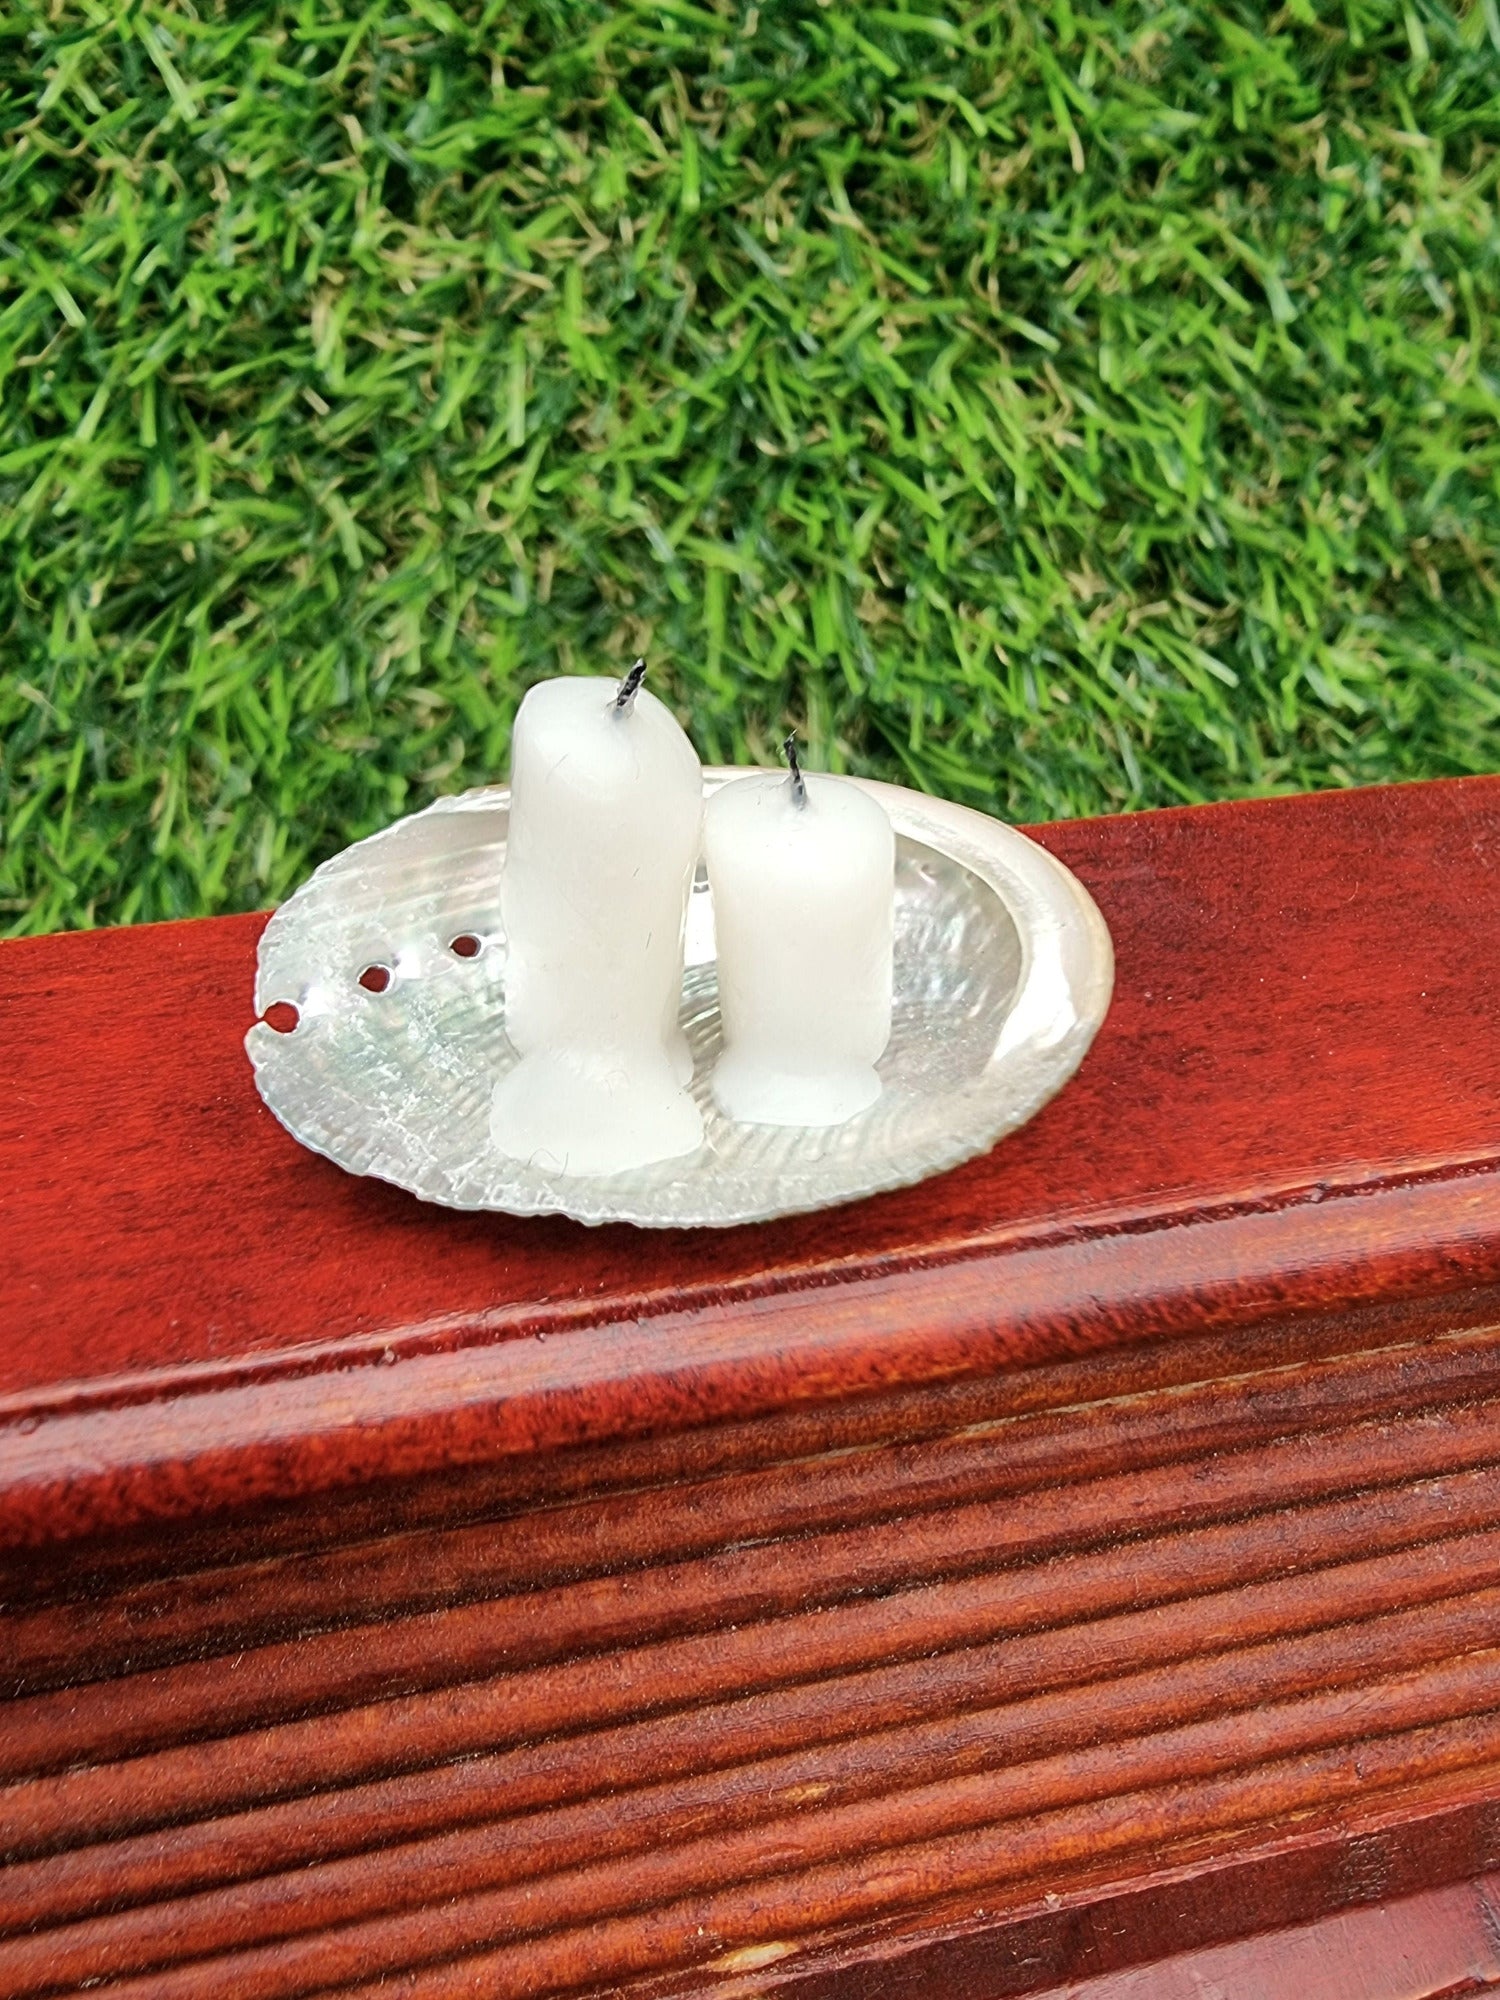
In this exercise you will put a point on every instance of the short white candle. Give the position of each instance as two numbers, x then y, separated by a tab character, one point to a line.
802	873
606	815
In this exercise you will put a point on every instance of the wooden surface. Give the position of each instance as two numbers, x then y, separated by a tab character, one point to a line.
1089	1555
1294	1102
1439	1946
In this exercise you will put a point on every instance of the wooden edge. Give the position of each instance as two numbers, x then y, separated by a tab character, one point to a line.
108	1456
1439	1945
1213	1910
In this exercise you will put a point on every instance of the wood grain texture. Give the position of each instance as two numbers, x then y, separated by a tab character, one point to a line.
1092	1555
790	1704
1442	1945
252	1325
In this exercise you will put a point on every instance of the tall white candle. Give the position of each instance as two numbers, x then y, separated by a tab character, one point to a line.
802	873
606	816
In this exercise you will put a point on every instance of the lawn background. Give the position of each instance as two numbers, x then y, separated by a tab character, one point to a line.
1065	408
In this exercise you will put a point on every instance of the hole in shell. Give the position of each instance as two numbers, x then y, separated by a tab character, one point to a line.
375	978
282	1016
466	945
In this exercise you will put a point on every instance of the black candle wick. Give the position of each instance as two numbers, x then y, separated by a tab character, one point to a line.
630	687
797	781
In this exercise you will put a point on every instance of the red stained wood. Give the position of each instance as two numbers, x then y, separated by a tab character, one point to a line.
1249	1685
1438	1946
1091	1555
1334	949
713	1595
992	1456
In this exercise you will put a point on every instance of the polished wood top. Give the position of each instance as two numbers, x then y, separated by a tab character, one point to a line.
1294	1102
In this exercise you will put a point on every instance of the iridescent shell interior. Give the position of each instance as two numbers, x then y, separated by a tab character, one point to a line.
393	957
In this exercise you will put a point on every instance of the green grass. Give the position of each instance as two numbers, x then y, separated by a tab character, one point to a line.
1061	407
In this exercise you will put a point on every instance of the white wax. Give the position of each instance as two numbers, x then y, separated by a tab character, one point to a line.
803	899
606	817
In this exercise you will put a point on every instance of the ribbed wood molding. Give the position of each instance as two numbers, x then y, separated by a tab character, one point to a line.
706	1723
1443	1944
1033	1575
